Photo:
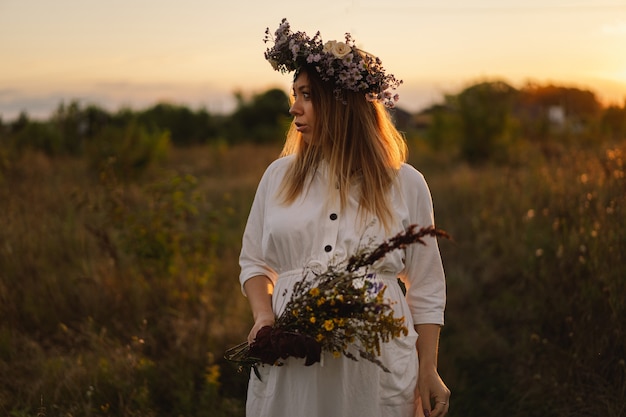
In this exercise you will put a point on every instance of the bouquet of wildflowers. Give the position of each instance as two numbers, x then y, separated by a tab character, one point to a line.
341	311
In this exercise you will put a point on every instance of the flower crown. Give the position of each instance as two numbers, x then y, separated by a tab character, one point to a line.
341	63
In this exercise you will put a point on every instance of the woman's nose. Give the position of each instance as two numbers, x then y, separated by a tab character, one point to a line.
295	109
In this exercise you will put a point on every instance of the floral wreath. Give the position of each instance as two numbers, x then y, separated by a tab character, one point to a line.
341	63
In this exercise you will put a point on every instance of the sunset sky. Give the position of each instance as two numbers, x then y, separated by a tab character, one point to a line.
199	52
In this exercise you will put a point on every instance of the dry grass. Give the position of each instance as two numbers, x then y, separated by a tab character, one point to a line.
119	297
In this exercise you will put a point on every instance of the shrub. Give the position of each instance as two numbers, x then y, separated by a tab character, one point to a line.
128	150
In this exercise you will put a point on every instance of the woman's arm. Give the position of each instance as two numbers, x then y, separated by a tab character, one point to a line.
432	390
259	290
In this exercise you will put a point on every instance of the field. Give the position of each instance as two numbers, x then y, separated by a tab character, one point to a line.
119	294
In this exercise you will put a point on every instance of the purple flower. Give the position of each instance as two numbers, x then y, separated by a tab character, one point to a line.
335	61
313	58
348	59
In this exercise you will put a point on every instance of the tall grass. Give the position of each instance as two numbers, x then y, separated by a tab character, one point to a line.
119	294
537	279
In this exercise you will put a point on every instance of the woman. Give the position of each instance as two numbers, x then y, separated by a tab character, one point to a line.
342	180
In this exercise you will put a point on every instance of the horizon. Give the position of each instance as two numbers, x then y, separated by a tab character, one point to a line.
118	55
42	108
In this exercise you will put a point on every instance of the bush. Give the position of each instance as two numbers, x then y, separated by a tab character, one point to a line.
128	150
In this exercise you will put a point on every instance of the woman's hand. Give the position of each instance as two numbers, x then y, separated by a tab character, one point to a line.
260	321
434	394
259	291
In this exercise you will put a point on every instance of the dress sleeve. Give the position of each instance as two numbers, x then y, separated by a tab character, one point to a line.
423	272
252	257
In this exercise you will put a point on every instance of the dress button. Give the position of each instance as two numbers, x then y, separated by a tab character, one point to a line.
333	216
328	248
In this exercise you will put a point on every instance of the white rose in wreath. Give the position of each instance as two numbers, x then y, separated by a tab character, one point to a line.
328	46
340	50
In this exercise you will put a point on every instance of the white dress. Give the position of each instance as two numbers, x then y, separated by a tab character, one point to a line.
279	241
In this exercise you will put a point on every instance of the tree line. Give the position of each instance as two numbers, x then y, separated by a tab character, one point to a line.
481	122
72	127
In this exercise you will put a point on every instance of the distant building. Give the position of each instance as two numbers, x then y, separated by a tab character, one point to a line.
556	115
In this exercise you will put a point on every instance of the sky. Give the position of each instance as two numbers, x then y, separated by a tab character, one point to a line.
198	53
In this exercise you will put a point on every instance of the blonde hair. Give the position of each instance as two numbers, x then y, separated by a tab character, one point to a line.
359	142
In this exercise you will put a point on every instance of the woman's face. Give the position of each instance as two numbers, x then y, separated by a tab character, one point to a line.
302	107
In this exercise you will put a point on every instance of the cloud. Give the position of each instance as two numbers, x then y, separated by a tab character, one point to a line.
14	102
41	103
8	92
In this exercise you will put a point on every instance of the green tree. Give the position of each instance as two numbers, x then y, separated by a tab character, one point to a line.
95	119
71	125
186	127
38	135
443	127
66	132
263	119
485	114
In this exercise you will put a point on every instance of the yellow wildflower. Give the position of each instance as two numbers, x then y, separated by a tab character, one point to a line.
314	291
329	325
312	319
